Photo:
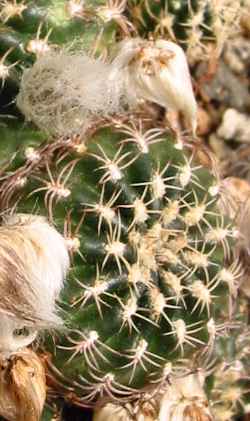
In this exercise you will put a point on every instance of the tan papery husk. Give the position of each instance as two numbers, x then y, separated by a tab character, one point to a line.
22	386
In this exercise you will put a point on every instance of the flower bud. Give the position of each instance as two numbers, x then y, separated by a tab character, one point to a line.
34	261
157	71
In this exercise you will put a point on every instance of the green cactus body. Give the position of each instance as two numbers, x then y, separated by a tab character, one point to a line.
148	274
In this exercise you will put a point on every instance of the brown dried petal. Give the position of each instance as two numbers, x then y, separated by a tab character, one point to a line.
22	387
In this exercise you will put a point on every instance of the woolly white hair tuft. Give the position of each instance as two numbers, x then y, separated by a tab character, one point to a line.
34	261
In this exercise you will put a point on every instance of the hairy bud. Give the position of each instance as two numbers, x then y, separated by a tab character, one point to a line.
63	93
157	71
34	261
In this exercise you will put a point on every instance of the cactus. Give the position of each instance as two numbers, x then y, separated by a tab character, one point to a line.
150	314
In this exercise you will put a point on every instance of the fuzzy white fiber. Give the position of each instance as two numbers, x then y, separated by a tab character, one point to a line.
34	261
63	92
